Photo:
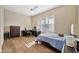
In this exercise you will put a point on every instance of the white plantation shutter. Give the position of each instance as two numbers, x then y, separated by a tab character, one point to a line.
46	24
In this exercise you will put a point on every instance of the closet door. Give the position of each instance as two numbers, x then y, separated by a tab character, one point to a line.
14	31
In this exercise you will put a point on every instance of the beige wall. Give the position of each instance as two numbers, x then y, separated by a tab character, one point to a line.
16	19
64	17
78	14
1	27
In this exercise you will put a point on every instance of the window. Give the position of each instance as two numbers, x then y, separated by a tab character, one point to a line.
47	24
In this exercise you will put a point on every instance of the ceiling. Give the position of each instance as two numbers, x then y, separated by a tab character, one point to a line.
29	10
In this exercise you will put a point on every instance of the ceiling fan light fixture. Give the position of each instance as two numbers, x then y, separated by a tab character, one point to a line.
33	9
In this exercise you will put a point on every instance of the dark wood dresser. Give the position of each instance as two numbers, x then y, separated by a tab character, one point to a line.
14	31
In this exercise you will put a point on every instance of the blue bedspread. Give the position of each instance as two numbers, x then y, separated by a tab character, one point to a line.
53	39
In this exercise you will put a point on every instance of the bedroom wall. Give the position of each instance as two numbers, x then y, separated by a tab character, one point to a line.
78	14
64	17
16	19
1	27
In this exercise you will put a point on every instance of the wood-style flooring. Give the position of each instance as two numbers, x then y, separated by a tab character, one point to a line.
17	45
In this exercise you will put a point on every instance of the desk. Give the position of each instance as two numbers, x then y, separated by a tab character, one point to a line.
26	33
30	32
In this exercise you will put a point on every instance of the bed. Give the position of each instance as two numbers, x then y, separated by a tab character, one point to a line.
53	39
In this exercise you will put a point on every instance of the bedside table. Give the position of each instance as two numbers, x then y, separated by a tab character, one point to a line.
6	35
67	49
77	44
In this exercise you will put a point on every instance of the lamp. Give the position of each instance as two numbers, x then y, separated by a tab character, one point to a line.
75	29
72	29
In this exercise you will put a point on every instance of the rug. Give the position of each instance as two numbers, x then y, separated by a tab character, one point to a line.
30	44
